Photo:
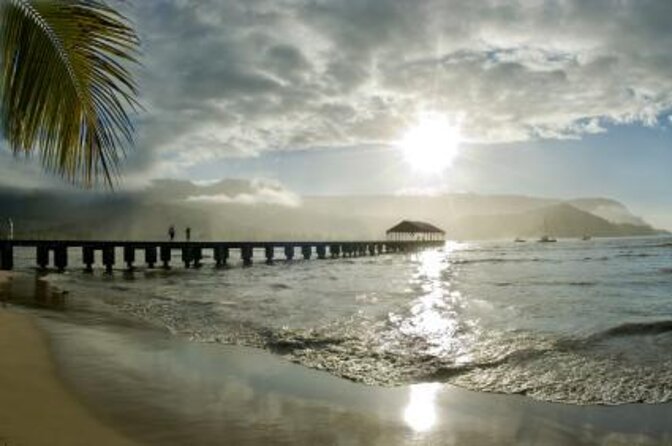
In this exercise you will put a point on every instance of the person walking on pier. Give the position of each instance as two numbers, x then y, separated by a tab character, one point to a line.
171	232
188	233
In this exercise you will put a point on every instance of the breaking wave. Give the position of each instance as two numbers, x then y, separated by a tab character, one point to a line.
502	260
636	329
585	370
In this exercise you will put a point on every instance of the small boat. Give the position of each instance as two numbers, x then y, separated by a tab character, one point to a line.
520	240
546	238
586	237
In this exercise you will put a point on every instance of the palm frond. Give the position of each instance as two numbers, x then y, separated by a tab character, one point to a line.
65	83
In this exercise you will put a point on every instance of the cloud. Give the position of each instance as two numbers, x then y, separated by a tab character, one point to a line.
262	196
25	171
229	191
429	191
236	78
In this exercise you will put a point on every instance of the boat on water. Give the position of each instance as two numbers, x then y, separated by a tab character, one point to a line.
546	238
520	240
586	237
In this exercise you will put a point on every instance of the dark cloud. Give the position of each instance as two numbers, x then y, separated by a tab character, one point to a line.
234	78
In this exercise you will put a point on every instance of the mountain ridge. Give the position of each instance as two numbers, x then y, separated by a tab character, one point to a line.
254	210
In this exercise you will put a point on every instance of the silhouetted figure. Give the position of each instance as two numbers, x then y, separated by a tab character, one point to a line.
188	232
171	232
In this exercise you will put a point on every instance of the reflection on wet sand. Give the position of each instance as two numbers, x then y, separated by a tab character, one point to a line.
33	291
420	413
163	390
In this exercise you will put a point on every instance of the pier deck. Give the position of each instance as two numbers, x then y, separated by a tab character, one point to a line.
55	252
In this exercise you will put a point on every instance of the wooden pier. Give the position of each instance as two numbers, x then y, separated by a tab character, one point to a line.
54	253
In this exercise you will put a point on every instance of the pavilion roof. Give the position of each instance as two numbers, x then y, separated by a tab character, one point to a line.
407	226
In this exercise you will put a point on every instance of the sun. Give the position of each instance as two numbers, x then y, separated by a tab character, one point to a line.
432	144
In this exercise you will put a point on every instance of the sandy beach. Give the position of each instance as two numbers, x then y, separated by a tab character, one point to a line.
36	408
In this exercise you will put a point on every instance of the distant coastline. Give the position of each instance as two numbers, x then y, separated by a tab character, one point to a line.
226	211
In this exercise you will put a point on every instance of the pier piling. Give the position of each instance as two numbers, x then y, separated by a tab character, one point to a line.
321	251
150	256
186	257
334	251
6	256
221	254
289	252
165	256
88	258
42	256
197	256
246	254
269	252
61	257
306	251
108	258
129	257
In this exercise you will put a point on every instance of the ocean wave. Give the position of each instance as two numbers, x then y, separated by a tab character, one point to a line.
635	329
503	260
596	259
561	283
392	350
644	245
576	378
636	254
388	352
284	343
555	373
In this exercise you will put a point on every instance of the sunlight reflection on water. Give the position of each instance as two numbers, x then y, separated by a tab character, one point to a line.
420	412
434	319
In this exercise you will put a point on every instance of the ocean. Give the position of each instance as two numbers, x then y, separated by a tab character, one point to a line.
578	322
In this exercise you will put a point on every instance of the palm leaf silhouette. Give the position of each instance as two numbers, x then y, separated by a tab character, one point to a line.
66	88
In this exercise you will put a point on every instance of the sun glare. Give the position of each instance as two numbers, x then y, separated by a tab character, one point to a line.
420	413
432	144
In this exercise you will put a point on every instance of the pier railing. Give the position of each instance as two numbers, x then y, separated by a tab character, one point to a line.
54	253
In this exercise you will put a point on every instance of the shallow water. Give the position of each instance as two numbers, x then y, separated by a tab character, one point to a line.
574	321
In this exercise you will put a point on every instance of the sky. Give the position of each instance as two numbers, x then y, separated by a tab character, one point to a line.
557	98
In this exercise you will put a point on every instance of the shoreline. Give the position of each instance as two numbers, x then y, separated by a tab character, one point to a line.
37	408
161	389
166	390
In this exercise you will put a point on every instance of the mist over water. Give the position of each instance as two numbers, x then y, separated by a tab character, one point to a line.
587	322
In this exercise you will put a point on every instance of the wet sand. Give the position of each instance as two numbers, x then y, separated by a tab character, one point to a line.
162	389
35	406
